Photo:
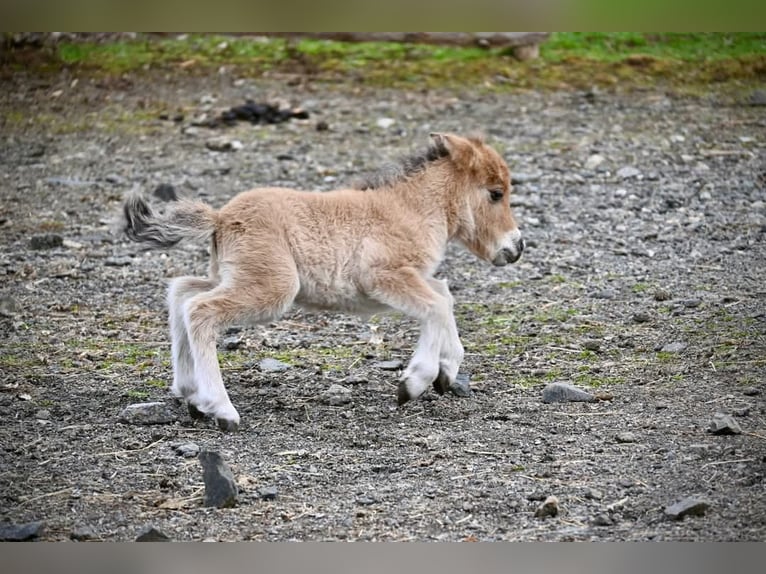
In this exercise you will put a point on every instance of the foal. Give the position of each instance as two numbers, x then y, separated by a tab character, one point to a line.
354	250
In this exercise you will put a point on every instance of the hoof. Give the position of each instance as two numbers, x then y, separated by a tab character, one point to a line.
441	383
402	394
195	413
227	425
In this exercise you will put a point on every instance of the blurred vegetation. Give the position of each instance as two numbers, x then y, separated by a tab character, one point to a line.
578	60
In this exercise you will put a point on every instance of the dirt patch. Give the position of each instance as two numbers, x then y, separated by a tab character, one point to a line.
642	283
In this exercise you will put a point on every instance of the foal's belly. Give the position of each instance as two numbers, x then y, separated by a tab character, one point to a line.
334	297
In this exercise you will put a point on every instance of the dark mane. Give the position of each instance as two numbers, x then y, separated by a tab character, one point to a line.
407	167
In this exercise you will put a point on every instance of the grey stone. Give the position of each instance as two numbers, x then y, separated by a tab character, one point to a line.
757	98
522	178
187	450
751	391
152	534
564	392
462	386
393	365
220	486
675	347
549	507
8	306
337	395
155	413
223	145
270	365
724	424
626	437
114	179
118	261
662	295
690	506
232	343
268	492
46	241
605	294
594	494
82	533
594	161
165	192
592	345
43	414
602	519
641	317
628	172
692	303
20	532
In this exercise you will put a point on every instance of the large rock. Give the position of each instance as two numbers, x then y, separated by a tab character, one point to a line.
724	424
156	413
220	486
564	393
690	506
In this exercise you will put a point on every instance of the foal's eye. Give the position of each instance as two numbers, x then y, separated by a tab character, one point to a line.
496	194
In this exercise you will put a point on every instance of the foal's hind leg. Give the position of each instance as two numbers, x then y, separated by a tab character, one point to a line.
206	313
181	289
451	351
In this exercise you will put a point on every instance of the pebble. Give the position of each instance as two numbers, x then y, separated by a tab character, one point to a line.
751	391
691	303
724	424
628	172
393	365
522	178
118	261
155	413
605	294
187	450
675	347
268	492
336	395
462	386
223	145
757	98
602	519
152	534
220	486
114	179
641	317
690	506
626	437
322	126
594	161
385	123
20	532
232	343
564	392
82	533
594	494
43	415
592	345
8	306
549	507
662	295
46	241
270	365
165	192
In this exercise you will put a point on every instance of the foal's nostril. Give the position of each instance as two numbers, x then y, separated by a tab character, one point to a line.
521	245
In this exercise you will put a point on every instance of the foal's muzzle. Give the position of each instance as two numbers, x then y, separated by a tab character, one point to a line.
508	255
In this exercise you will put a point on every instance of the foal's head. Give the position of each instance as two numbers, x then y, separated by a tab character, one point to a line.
485	223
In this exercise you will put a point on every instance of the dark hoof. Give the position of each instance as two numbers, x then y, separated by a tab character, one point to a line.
402	394
441	383
195	413
226	425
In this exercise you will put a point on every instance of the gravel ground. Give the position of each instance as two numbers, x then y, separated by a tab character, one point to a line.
642	283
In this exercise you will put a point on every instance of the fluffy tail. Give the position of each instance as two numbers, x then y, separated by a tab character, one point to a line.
185	219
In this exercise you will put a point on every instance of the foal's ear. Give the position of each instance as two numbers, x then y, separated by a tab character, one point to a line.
443	142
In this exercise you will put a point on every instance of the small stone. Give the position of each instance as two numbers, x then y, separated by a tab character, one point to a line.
628	172
691	303
462	386
751	391
602	519
8	306
270	365
155	413
165	192
232	343
322	126
46	241
594	161
187	450
393	365
114	179
20	532
268	492
549	507
522	178
43	415
385	123
592	345
152	534
626	437
641	317
757	98
662	295
605	294
83	533
118	261
564	392
675	347
691	506
356	379
337	395
724	424
220	486
594	494
224	145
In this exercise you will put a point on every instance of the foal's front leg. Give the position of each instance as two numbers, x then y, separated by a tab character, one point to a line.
451	351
